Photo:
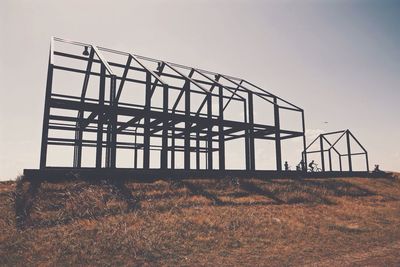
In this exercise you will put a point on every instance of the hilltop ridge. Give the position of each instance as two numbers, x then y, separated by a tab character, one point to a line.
346	221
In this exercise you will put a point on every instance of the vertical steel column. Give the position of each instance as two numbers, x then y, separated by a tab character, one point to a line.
198	150
78	139
146	136
321	142
304	141
108	140
278	150
100	121
252	155
80	123
45	129
164	149
187	127
209	133
113	123
349	150
330	159
246	140
340	162
135	160
221	137
173	141
366	160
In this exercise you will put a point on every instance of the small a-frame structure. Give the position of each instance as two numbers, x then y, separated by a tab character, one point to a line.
326	145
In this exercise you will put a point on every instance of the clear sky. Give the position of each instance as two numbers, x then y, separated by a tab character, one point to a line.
338	60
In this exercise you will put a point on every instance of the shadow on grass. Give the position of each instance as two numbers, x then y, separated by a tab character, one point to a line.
124	193
24	201
313	193
198	190
254	189
341	188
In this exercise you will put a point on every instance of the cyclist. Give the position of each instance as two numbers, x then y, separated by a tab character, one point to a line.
312	165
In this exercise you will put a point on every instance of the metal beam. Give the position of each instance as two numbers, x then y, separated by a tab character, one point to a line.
349	150
278	153
99	145
221	137
146	137
123	78
45	129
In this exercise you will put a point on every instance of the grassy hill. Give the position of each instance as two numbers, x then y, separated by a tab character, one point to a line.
317	222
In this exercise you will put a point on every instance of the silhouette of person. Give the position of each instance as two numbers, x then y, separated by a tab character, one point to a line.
311	165
376	169
286	166
301	166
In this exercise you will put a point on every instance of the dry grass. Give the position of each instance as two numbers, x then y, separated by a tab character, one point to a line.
226	222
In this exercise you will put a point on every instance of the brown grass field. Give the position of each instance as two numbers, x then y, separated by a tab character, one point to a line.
227	222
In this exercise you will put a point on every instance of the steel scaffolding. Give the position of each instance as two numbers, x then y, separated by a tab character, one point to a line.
168	122
331	148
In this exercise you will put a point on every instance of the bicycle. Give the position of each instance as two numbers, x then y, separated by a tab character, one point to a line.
316	168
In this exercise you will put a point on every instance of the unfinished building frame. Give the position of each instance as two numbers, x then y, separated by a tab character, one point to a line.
183	112
331	147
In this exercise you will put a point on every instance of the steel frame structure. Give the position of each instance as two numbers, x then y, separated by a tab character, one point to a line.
332	146
205	126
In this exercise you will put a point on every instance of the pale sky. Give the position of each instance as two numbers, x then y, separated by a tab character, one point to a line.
338	60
